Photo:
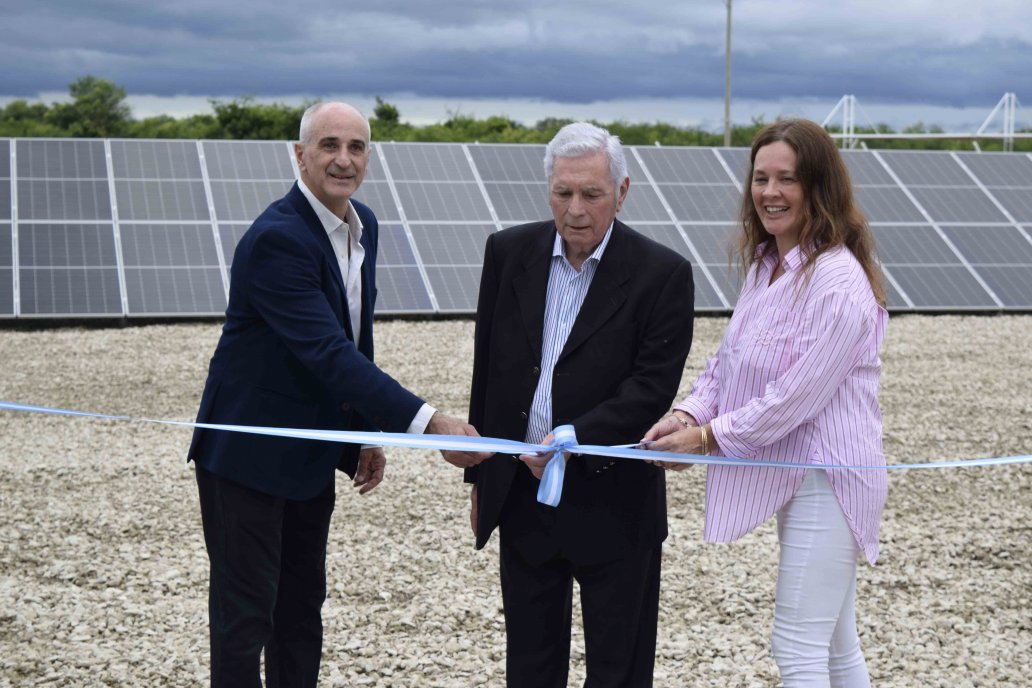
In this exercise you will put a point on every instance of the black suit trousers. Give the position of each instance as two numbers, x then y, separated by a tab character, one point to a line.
267	582
620	607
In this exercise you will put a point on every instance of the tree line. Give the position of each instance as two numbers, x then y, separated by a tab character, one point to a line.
98	109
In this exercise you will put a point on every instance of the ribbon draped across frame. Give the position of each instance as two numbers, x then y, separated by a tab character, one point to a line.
563	445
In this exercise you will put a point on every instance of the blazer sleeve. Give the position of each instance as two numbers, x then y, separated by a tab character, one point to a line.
285	290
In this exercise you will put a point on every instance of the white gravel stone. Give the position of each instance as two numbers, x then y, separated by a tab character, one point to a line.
103	573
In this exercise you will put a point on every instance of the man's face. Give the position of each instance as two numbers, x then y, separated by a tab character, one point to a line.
584	202
333	161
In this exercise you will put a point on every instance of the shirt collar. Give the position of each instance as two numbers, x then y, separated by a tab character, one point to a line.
559	251
327	217
768	253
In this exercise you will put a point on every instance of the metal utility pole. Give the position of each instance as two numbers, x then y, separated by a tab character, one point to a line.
727	79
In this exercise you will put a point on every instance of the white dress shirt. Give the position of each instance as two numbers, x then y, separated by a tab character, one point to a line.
567	288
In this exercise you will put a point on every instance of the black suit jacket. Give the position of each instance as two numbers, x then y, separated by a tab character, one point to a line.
287	358
616	375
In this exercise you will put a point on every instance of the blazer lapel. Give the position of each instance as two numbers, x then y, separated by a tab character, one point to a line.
531	287
606	294
305	210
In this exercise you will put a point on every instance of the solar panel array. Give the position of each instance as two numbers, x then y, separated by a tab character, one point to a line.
139	228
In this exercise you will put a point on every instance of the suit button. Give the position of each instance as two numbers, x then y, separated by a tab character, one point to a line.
535	371
345	407
523	415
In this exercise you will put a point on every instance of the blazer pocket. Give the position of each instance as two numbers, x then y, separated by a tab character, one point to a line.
278	406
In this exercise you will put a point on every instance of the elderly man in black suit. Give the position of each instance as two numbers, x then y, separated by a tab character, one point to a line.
580	321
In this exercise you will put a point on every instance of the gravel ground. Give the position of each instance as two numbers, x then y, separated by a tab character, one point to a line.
103	571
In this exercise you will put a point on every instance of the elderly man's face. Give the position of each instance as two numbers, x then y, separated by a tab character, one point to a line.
333	161
584	202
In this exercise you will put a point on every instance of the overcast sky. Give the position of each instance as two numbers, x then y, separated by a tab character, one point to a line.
941	61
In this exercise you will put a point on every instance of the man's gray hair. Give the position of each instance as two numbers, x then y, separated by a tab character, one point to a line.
583	138
305	130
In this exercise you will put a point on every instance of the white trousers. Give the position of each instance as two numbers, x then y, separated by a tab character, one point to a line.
815	642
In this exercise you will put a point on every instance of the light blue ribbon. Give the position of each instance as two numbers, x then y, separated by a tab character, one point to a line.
564	443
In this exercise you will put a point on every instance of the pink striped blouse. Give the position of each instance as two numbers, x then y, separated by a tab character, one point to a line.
796	379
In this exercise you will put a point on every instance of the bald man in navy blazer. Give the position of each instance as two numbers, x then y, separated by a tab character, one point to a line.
296	351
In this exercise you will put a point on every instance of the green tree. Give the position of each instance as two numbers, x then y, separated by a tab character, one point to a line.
98	109
386	113
21	118
242	118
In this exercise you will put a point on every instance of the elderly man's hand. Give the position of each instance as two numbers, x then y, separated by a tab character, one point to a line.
537	462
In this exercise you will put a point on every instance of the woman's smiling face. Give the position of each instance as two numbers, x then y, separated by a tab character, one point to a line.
777	194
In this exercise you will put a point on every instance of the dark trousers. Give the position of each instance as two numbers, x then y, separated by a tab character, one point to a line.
267	582
620	605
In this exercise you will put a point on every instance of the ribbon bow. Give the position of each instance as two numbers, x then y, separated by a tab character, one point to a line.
550	490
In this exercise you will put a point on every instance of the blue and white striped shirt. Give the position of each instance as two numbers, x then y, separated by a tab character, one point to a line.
564	298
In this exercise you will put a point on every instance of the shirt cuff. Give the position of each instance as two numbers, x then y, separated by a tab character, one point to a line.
696	409
721	429
422	419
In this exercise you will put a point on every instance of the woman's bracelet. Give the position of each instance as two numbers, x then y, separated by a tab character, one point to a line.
682	421
705	440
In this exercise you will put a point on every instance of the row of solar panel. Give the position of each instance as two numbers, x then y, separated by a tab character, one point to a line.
147	228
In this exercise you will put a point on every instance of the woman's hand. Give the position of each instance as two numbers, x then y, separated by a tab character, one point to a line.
668	425
673	435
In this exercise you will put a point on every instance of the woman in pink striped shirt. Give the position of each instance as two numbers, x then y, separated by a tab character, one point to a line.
796	380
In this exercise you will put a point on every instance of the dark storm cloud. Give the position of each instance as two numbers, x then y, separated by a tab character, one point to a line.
569	52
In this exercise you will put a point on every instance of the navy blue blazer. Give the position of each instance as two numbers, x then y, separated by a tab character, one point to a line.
287	358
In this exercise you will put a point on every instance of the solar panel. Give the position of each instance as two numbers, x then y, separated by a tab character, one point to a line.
706	296
928	270
401	290
702	202
136	227
518	202
1007	177
957	204
68	269
455	287
377	195
887	204
172	269
509	163
6	272
684	165
423	161
248	160
442	201
866	170
643	205
166	195
399	281
447	244
1002	257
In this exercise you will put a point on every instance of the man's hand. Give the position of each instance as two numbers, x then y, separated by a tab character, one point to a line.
537	462
441	424
473	509
371	464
